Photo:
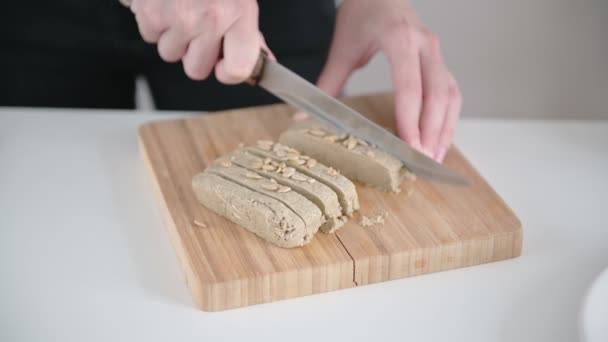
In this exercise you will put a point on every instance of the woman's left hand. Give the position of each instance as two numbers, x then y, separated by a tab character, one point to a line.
428	101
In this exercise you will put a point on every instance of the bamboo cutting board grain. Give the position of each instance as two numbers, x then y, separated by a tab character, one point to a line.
434	228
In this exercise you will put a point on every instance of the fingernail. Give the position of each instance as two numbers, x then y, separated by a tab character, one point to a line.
300	116
440	154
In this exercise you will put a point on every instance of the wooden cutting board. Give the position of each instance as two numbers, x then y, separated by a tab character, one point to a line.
434	228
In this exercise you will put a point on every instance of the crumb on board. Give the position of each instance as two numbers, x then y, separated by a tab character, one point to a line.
409	192
365	221
410	176
199	224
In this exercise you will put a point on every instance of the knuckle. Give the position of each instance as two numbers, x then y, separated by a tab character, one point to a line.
162	52
146	34
412	91
436	94
211	14
454	94
236	74
400	29
430	39
188	22
412	134
151	16
195	71
192	19
168	55
434	129
431	128
250	7
458	93
148	37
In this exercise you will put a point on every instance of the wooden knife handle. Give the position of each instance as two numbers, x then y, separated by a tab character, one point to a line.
256	74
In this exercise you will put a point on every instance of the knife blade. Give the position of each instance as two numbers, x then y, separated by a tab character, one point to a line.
293	89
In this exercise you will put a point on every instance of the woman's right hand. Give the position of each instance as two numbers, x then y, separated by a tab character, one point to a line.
204	34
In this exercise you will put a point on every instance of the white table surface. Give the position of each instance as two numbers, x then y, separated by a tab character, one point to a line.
84	255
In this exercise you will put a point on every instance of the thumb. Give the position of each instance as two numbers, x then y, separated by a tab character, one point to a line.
334	75
336	72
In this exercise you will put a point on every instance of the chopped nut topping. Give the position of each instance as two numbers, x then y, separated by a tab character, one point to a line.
351	143
199	224
270	186
331	138
265	144
284	189
288	172
311	163
410	176
299	177
365	221
253	175
317	132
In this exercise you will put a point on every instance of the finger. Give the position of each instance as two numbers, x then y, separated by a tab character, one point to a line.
172	44
135	6
337	70
300	116
150	19
451	120
149	29
435	102
405	64
202	55
241	50
266	48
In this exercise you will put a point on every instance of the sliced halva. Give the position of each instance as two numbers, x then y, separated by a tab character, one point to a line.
265	216
317	192
354	158
344	188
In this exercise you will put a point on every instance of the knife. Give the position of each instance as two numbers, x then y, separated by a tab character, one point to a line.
293	89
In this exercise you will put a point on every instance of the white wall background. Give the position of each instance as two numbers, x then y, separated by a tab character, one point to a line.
516	58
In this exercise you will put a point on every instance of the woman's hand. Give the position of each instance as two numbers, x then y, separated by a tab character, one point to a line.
196	31
428	100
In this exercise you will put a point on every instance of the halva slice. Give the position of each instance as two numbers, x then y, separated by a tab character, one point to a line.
305	209
353	157
265	216
318	193
342	186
